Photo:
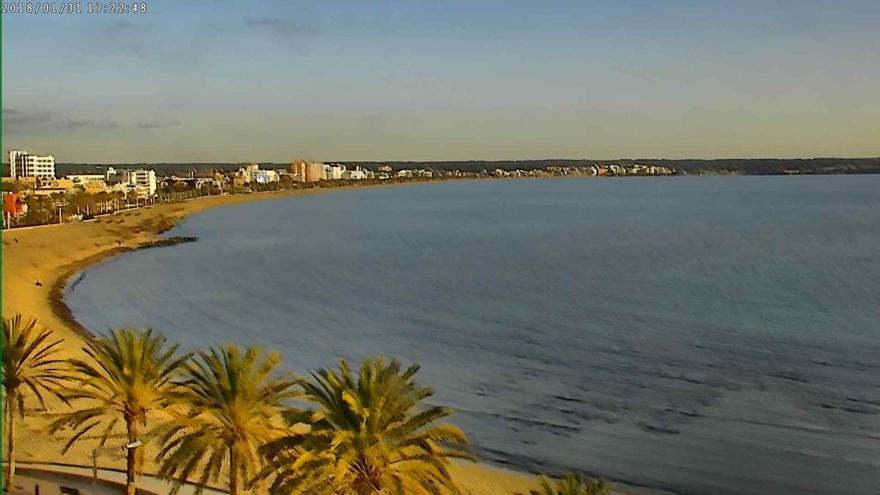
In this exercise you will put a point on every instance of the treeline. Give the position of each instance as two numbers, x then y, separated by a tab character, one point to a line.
81	205
725	166
775	166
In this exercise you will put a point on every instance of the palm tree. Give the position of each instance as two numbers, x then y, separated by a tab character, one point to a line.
130	375
369	434
118	196
30	368
234	402
132	197
572	484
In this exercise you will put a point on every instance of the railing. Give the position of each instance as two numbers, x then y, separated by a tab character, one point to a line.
83	475
79	478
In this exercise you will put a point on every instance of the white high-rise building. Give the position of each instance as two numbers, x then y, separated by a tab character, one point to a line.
24	164
143	180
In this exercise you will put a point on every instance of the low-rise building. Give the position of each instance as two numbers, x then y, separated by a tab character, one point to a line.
49	187
95	187
112	176
335	172
85	178
356	173
248	172
265	176
238	182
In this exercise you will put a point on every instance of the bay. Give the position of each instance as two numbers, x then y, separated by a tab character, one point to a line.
711	335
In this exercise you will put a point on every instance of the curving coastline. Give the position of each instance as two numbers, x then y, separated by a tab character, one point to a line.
39	263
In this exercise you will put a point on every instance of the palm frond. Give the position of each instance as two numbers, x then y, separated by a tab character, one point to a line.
368	433
234	401
128	375
30	363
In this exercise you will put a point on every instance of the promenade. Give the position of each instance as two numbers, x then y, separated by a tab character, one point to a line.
69	480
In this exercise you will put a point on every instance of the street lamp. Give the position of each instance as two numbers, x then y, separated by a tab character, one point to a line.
98	450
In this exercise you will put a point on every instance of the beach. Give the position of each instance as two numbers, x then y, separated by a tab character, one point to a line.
38	261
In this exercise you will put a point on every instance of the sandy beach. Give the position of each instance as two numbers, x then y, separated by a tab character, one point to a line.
37	262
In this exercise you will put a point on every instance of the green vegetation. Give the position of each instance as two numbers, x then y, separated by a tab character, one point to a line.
227	417
572	484
368	434
79	205
47	209
130	374
30	368
233	405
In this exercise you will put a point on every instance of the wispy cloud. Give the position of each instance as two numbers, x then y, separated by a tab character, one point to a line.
128	38
73	124
17	122
15	119
157	124
277	26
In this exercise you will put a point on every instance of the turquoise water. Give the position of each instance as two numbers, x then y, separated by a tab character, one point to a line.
702	335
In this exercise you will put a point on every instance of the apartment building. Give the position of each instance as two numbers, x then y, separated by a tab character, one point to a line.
23	164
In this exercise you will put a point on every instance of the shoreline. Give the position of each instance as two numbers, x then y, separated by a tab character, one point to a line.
153	238
39	263
56	294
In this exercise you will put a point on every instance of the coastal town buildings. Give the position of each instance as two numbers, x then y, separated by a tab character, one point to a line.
49	187
112	176
84	178
297	170
96	190
266	176
93	187
90	183
24	164
335	172
314	172
248	172
142	180
305	171
356	173
253	173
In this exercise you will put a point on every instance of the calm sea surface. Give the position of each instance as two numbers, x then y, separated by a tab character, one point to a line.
703	335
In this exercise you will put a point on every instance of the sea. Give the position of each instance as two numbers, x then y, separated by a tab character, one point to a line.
701	335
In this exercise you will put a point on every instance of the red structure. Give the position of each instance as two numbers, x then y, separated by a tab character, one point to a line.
12	208
12	204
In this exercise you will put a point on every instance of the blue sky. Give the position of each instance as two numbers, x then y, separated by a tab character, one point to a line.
380	80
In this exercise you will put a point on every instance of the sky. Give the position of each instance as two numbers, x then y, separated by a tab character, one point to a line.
272	81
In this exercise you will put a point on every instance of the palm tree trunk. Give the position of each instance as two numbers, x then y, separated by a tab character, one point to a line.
10	432
233	472
130	453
